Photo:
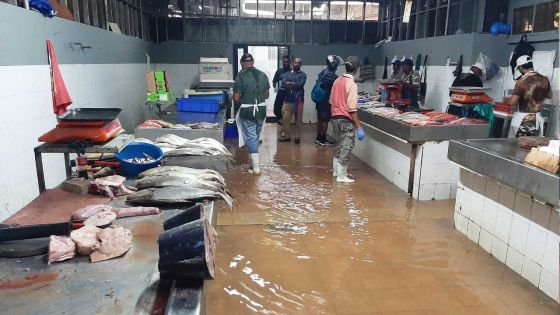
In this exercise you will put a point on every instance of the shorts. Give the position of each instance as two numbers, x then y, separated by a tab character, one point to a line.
323	112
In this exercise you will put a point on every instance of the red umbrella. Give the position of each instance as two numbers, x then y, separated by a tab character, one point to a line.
61	98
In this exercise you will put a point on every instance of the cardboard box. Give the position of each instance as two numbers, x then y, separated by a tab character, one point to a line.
151	81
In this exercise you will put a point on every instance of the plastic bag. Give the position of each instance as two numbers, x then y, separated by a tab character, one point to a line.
490	67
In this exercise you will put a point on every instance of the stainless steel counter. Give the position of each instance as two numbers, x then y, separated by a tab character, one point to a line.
502	160
417	134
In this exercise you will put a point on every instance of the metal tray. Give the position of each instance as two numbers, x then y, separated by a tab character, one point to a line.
90	114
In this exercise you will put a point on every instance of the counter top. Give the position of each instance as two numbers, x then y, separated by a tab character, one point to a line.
417	134
502	160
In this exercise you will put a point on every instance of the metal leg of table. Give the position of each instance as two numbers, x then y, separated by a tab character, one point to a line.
505	128
67	165
40	173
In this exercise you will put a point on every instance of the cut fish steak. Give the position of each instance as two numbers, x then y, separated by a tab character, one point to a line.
110	186
86	212
61	248
86	239
115	241
102	219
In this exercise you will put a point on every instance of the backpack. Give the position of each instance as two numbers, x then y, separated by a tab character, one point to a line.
317	93
522	48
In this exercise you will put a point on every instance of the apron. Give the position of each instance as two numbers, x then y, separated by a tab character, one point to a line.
517	119
255	107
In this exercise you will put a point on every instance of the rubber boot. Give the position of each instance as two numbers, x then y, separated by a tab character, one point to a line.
255	162
334	166
341	174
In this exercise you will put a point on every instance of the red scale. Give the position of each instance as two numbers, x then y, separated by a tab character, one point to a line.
469	95
97	125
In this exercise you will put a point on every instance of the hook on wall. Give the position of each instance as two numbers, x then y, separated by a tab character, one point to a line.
80	45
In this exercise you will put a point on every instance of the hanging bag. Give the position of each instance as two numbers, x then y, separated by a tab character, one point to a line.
523	48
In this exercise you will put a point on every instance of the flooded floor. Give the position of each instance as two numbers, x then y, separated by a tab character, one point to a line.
299	243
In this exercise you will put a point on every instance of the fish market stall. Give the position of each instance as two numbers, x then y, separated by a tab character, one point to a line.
509	207
208	125
410	148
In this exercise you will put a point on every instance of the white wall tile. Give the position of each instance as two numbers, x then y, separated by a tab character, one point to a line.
503	223
499	249
550	260
473	231
519	231
475	211
426	191
536	242
444	173
453	192
485	240
442	192
531	271
489	214
549	284
514	260
428	173
458	196
466	196
461	223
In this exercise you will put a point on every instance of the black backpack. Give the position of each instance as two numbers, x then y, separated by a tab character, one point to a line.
522	48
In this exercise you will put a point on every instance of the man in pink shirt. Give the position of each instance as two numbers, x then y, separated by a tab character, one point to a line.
344	111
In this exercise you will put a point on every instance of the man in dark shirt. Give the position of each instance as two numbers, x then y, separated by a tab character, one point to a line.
471	78
280	91
529	94
327	77
293	82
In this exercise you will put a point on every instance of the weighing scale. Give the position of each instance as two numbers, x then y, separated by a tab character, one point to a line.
97	125
393	89
469	95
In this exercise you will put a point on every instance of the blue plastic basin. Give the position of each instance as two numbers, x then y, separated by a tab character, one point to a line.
137	150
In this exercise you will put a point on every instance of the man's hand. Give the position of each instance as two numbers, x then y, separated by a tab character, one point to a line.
360	133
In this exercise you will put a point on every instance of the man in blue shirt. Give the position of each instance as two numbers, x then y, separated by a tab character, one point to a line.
293	82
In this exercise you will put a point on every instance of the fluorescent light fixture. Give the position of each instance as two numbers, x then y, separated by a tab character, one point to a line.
407	9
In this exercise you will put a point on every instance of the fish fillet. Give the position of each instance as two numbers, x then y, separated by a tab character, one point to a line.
61	248
86	239
115	241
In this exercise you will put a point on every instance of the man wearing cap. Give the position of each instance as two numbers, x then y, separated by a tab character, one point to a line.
529	93
250	91
293	82
344	110
326	78
397	72
471	78
410	81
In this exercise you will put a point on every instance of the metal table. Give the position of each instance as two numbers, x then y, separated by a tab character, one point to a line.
502	160
113	146
506	117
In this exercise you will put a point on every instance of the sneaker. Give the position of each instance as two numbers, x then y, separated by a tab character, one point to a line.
318	140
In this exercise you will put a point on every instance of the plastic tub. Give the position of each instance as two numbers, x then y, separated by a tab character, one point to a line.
194	117
197	105
230	131
137	150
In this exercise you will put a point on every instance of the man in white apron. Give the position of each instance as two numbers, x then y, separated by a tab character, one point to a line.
251	90
531	89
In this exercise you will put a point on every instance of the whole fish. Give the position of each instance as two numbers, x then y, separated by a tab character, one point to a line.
173	195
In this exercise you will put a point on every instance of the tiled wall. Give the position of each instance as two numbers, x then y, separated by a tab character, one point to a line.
390	163
435	177
27	114
521	232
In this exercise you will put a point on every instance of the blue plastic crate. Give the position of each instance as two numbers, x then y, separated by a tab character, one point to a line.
195	117
219	97
197	105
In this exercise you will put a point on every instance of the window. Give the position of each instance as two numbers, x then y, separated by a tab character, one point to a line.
355	11
266	9
302	10
441	19
372	11
248	8
453	23
320	10
547	14
338	10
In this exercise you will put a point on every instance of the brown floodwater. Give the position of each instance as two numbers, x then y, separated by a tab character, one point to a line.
299	243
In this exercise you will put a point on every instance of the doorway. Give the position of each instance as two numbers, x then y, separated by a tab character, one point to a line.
267	59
